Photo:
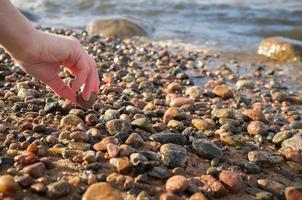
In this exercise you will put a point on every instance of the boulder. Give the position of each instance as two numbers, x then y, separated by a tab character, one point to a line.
281	49
120	28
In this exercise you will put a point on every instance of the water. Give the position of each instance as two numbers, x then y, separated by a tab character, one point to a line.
230	25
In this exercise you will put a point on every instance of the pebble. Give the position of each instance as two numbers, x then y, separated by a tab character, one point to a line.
223	91
200	124
223	113
142	123
102	191
245	84
212	187
294	142
293	193
58	189
71	120
173	113
193	92
255	115
206	149
116	126
263	195
177	184
168	196
119	181
38	187
232	181
198	196
23	93
176	125
135	140
271	186
36	170
283	135
86	104
260	158
8	184
174	87
180	101
173	155
159	173
167	137
257	128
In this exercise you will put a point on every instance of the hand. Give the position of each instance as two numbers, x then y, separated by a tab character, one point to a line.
45	55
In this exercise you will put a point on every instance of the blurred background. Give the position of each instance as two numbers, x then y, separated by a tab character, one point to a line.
230	25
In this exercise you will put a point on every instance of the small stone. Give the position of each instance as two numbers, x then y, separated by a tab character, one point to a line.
51	106
263	195
173	113
38	187
8	184
283	135
212	187
121	182
58	189
206	149
255	115
223	91
159	173
168	196
293	193
193	92
180	101
260	158
167	137
101	191
245	84
80	146
198	196
200	124
177	184
116	126
142	123
36	170
123	166
257	128
174	87
294	142
176	125
135	140
24	180
223	113
23	93
71	120
271	186
232	181
280	97
112	150
86	104
102	146
173	155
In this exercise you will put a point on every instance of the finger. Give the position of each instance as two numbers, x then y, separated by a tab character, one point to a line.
89	85
96	83
83	69
61	89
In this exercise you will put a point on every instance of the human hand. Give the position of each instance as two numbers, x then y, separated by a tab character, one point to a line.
45	55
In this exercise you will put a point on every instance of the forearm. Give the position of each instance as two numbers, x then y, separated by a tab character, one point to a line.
16	32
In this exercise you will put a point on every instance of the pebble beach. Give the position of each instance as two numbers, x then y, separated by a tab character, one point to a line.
170	123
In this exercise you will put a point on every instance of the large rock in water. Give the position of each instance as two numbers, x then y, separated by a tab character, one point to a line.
120	28
281	49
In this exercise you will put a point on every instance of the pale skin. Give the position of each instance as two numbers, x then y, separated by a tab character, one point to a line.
43	54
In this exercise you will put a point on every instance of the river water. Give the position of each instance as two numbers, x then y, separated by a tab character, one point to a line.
230	25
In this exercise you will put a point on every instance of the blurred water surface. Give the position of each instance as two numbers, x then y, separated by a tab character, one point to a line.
217	24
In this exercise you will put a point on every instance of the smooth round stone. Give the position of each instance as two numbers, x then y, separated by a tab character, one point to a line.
173	87
177	184
255	115
173	155
173	113
294	142
23	93
86	104
271	186
283	135
51	106
259	157
223	113
206	149
7	184
232	181
223	91
116	126
245	84
293	193
200	124
263	195
176	125
257	128
168	196
180	101
71	120
58	189
198	196
193	92
142	123
167	137
36	170
101	191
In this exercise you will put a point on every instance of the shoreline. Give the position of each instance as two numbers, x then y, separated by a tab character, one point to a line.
170	123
